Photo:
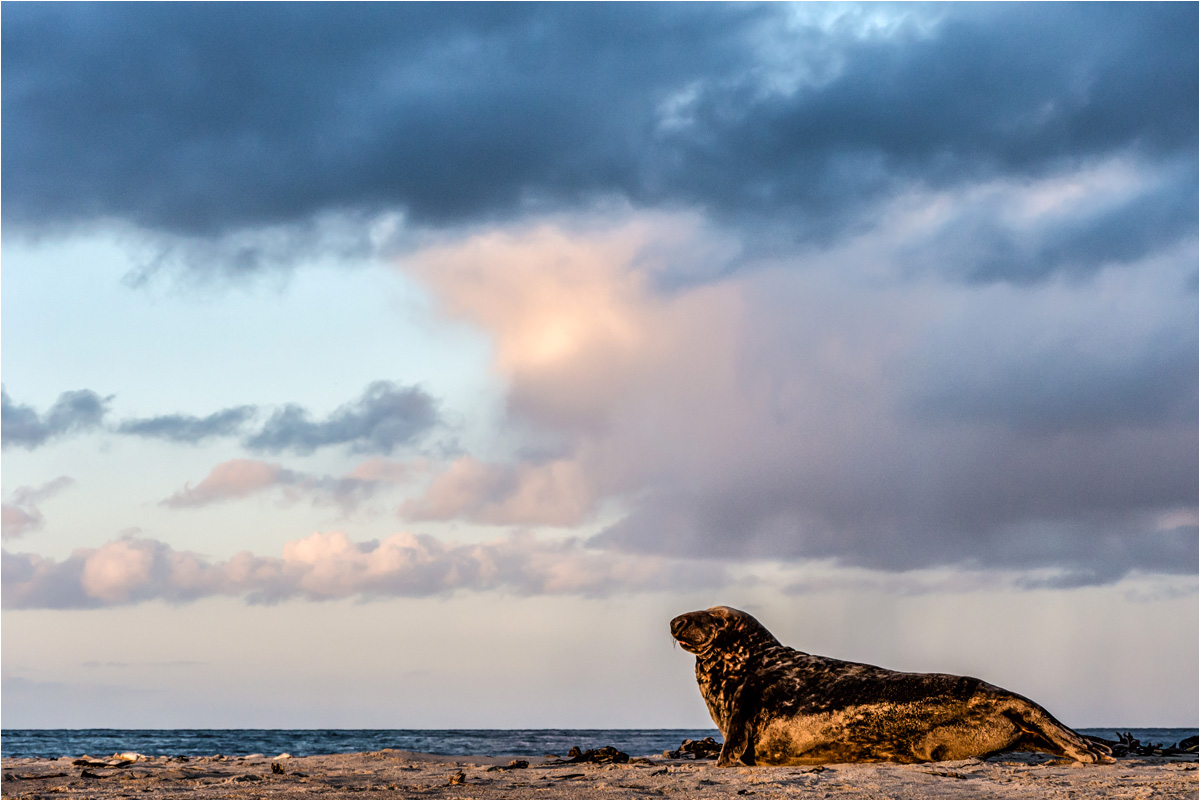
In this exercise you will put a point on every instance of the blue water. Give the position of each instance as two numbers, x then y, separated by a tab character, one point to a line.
54	743
302	742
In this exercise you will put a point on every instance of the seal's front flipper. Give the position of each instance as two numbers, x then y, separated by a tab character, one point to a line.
739	741
734	752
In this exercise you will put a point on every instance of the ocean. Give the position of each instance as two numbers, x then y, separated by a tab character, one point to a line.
53	743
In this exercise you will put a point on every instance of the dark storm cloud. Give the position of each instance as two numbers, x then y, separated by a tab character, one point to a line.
386	417
185	428
990	91
250	115
208	119
73	412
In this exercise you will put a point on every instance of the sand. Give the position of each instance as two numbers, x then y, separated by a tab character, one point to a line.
404	774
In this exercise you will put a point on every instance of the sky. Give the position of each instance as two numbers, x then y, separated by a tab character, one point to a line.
411	366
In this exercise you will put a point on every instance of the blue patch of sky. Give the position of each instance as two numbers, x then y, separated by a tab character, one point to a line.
317	340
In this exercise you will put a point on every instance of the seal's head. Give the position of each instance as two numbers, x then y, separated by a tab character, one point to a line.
721	628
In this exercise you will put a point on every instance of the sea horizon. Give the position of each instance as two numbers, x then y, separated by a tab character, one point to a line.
59	742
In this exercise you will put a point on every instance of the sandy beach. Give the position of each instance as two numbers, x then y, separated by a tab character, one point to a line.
404	774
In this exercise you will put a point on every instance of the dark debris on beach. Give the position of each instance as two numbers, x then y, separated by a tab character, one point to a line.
1126	745
600	756
708	748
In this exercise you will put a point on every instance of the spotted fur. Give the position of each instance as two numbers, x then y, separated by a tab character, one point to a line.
779	706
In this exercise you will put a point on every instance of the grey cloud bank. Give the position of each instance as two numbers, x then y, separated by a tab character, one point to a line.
828	412
785	121
386	417
74	412
1020	447
186	428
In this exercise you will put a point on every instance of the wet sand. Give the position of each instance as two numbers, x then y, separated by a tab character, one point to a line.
403	774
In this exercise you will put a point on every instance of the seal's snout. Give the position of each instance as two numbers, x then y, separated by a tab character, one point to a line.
689	631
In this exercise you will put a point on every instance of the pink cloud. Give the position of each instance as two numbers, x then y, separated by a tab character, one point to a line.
15	521
634	383
21	515
117	569
329	565
236	478
385	470
241	478
554	493
577	323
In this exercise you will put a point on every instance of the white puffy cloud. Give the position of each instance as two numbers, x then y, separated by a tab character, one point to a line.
116	570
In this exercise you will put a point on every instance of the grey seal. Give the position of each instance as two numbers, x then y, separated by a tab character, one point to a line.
778	706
